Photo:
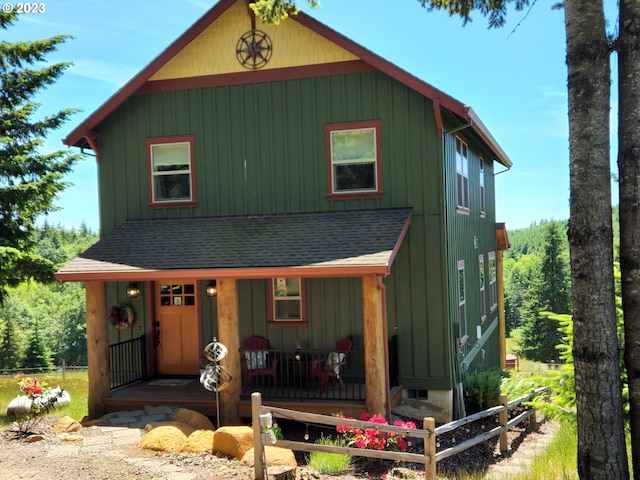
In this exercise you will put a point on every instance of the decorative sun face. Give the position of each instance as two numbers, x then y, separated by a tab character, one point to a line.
253	50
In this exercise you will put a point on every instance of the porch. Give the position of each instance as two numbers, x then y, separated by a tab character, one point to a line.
292	383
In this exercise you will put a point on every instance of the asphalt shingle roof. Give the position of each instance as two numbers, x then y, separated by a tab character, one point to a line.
351	239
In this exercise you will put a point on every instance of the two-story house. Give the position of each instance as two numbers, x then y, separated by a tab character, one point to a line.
287	183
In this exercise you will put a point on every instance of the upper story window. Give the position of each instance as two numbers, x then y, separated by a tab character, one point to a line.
462	176
353	159
482	196
171	171
287	302
493	287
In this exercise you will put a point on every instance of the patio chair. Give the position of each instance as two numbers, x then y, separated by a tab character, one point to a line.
331	367
256	360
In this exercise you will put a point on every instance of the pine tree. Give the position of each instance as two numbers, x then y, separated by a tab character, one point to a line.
37	356
9	345
30	180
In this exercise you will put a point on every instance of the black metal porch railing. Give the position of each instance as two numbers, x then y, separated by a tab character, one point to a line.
127	362
294	379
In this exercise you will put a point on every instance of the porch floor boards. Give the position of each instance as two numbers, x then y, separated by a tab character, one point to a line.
195	397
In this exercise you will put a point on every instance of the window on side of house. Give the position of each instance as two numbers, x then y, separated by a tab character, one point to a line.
462	304
171	171
493	287
462	176
483	306
482	195
354	168
287	302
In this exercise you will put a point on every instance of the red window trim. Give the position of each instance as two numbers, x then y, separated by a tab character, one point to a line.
334	127
303	307
191	139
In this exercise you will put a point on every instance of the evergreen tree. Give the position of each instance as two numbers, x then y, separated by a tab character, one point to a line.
29	179
549	292
10	351
37	356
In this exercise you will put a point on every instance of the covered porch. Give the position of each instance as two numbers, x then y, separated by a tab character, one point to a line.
356	244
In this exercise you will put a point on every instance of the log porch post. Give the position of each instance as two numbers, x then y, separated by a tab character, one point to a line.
229	336
97	347
374	347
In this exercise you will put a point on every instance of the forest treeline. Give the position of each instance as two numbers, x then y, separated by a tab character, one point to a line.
44	325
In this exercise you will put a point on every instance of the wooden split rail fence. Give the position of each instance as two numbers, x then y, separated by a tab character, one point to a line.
262	421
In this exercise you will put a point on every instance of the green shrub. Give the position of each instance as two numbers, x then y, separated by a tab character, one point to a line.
482	389
328	463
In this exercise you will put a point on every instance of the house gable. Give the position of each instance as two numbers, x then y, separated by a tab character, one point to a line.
213	52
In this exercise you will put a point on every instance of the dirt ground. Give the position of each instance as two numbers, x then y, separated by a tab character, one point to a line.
50	458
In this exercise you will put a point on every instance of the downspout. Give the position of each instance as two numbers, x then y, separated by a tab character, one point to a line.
387	392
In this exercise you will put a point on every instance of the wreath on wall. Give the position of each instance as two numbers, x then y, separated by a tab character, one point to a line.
121	316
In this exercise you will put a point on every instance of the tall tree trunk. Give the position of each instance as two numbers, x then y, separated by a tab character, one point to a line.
601	447
629	175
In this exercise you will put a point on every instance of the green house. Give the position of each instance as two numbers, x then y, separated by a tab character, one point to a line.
284	182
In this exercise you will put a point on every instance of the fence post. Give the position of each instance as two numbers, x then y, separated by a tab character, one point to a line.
504	421
258	447
429	424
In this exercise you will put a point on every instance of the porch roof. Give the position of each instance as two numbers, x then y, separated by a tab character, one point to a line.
326	244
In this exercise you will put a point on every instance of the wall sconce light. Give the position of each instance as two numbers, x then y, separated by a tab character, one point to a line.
211	289
133	290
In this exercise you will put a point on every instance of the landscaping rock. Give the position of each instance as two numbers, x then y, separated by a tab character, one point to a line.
200	441
67	424
169	437
234	441
193	418
275	456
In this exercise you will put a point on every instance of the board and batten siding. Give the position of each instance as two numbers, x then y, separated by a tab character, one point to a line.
260	149
469	235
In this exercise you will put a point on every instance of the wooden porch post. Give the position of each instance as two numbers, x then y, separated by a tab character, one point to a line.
374	347
502	323
97	347
229	336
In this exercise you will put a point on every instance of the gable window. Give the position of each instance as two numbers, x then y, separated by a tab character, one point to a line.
483	307
462	304
171	169
493	288
462	176
482	197
287	302
353	159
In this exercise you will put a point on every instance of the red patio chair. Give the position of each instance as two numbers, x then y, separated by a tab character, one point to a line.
331	367
256	360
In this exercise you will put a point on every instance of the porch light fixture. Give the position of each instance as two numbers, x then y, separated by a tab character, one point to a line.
211	289
133	290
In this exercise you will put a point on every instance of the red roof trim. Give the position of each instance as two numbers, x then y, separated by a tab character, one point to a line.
76	136
307	71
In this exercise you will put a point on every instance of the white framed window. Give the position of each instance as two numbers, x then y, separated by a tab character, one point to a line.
171	170
462	303
493	286
353	159
287	302
462	175
483	300
482	194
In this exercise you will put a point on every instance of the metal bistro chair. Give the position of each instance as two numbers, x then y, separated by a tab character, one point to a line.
256	360
331	367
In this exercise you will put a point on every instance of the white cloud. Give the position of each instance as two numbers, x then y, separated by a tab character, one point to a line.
107	72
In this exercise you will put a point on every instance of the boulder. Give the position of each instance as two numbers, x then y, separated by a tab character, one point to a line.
233	441
67	424
275	456
166	438
200	441
193	418
185	429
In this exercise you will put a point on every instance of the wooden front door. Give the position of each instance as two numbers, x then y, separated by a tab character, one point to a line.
177	328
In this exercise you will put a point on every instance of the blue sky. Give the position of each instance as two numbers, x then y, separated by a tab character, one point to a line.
513	77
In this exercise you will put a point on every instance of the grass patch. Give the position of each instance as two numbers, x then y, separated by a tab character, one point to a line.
76	383
328	463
